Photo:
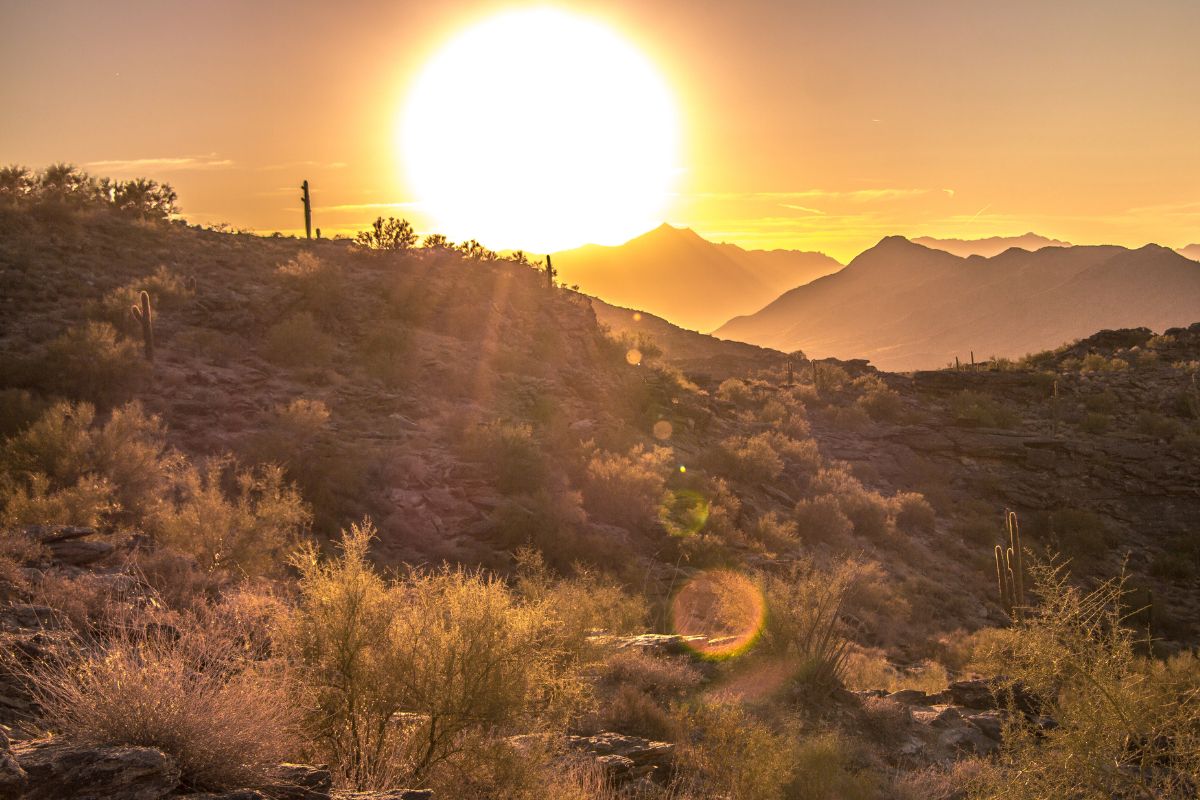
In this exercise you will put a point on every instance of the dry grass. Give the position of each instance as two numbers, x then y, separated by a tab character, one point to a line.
226	722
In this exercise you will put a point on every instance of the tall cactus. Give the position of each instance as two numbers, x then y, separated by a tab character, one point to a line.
1010	569
307	210
550	271
145	316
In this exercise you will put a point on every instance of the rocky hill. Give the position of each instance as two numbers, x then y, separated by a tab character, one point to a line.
637	496
904	306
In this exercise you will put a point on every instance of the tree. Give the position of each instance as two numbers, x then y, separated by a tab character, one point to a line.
436	241
389	234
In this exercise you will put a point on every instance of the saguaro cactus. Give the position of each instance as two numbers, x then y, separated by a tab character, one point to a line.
145	316
307	211
550	272
789	372
1010	569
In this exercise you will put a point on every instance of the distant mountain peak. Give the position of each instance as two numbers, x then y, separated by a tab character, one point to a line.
991	245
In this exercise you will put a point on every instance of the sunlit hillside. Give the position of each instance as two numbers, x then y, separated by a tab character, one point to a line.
399	518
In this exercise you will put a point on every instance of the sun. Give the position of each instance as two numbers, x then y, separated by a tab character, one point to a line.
541	130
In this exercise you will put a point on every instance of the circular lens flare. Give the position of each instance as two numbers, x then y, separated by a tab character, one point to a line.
724	607
684	512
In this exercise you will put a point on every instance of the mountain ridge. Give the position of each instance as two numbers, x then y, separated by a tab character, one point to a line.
677	274
907	306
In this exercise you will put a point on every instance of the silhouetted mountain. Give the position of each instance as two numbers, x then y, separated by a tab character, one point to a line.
695	283
905	306
991	246
1192	251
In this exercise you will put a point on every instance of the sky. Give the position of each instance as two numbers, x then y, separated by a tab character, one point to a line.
806	125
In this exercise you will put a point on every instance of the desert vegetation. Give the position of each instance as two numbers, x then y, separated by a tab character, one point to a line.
410	512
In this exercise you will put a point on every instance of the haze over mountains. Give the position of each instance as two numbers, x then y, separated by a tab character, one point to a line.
991	246
692	282
1192	251
905	306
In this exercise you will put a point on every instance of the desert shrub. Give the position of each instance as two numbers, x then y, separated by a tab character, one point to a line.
176	579
824	770
298	436
735	390
553	523
224	719
1126	726
511	454
389	234
581	605
1095	423
821	519
828	377
629	710
849	418
626	489
385	354
730	753
871	670
665	677
16	550
751	457
867	512
91	362
1105	402
1076	531
912	512
247	531
878	401
1157	425
298	341
64	469
33	501
805	621
982	409
775	533
452	656
320	284
166	289
18	408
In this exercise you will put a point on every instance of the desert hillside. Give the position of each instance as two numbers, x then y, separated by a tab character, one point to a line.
905	307
544	546
697	284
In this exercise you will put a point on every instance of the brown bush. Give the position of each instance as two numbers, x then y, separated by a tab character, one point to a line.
821	519
91	363
913	513
225	721
298	341
626	489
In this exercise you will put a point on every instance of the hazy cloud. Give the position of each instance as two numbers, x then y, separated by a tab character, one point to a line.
166	164
298	164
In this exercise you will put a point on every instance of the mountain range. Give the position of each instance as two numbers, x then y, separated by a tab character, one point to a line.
991	246
1192	251
695	283
905	306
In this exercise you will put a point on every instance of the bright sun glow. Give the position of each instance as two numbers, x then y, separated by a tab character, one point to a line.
541	130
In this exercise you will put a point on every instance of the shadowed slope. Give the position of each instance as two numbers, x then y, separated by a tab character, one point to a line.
905	306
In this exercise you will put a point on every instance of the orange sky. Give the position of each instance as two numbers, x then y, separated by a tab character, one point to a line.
808	125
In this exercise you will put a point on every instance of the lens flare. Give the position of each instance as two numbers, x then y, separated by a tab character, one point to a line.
633	357
725	607
684	512
663	430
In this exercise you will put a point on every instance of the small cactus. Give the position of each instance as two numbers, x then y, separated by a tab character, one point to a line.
145	317
789	372
1010	570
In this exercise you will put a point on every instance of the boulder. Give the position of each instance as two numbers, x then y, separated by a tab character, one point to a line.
58	770
12	776
625	758
386	794
300	782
